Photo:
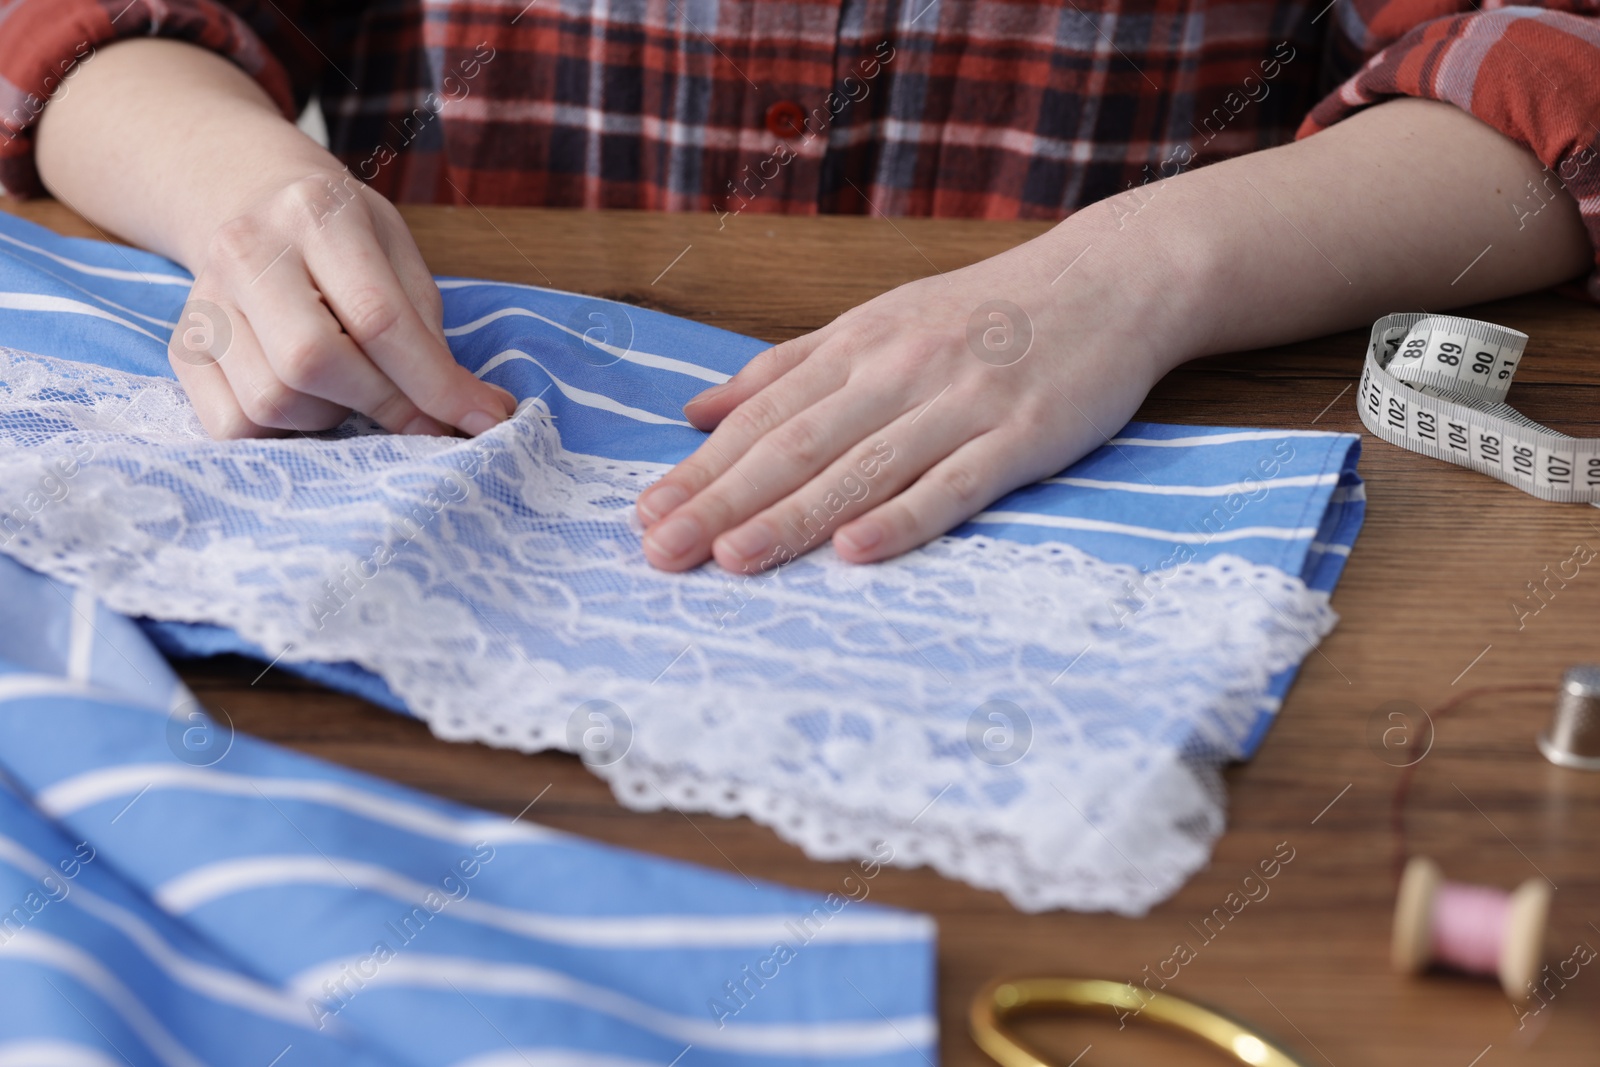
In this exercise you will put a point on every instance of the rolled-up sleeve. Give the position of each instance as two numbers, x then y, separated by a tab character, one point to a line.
45	43
1528	71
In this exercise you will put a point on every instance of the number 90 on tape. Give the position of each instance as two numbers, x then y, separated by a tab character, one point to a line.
1437	384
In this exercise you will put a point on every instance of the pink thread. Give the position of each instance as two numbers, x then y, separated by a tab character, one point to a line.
1469	926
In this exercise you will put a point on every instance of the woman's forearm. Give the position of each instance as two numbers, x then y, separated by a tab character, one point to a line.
1409	205
161	142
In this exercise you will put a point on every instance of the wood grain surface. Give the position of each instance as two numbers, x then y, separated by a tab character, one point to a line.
1427	614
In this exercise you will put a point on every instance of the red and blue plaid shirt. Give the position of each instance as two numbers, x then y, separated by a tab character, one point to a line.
985	108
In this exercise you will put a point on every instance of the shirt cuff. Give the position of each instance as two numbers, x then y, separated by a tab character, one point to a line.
1527	72
43	43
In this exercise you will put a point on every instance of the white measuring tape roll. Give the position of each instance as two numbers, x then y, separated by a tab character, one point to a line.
1437	384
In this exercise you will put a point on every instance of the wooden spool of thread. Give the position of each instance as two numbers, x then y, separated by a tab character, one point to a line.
1476	929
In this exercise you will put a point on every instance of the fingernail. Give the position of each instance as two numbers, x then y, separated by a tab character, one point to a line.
508	397
710	394
660	500
861	537
480	422
749	540
675	536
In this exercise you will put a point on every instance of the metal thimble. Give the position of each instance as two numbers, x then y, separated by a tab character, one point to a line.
1573	739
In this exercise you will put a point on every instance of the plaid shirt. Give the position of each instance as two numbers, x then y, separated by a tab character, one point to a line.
929	107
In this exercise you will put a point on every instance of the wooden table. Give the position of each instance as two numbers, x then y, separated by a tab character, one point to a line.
1427	614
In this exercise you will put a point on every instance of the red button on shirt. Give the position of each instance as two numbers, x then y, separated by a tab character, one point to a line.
786	119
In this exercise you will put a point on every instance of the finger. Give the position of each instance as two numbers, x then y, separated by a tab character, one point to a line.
946	495
264	398
210	393
417	281
873	471
308	352
359	282
774	467
423	292
409	266
710	407
750	421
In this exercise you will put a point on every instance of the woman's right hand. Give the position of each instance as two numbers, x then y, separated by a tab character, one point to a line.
310	298
313	301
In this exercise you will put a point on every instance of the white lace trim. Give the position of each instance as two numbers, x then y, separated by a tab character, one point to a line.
837	704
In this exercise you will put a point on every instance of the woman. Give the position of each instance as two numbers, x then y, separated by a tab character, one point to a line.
1447	169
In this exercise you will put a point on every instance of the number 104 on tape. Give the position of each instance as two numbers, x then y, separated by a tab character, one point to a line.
1437	384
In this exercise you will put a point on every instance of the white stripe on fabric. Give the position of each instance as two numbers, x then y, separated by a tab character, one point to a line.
28	686
1297	481
1336	549
480	283
787	1040
1063	522
582	396
54	1054
80	643
92	787
1214	439
154	320
643	359
152	278
214	881
61	305
202	978
549	1057
30	944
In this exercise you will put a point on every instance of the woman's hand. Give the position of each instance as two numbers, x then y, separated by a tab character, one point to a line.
310	297
907	415
313	301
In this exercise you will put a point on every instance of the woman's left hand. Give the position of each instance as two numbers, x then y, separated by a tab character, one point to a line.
907	415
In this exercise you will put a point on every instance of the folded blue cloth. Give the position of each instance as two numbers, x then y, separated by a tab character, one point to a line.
172	894
1036	703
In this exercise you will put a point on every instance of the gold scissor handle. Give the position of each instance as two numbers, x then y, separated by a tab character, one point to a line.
1001	1000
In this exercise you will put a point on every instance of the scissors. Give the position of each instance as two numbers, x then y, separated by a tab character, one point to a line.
999	1001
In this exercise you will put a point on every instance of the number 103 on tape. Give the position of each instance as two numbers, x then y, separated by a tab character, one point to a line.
1437	384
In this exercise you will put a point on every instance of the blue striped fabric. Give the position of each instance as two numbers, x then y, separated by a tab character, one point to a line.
173	895
616	377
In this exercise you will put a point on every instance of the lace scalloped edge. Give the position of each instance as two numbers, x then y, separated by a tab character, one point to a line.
984	849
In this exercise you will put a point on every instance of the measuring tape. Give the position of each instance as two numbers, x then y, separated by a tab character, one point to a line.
1437	384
